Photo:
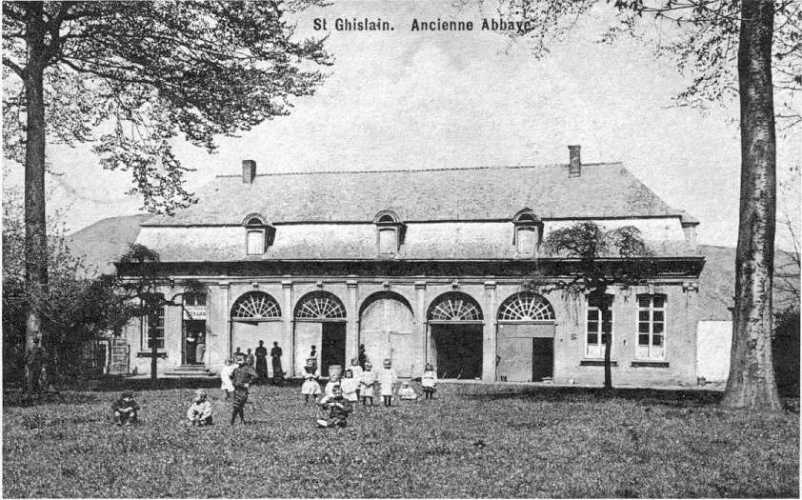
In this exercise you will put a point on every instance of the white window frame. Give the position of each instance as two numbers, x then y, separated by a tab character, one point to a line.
387	220
596	351
161	313
651	351
253	231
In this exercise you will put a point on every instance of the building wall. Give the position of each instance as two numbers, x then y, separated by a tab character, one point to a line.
570	363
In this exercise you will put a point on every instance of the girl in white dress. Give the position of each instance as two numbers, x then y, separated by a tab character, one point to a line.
387	379
225	378
356	370
429	381
367	384
350	386
310	386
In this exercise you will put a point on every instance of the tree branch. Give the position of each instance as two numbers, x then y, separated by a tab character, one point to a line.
14	67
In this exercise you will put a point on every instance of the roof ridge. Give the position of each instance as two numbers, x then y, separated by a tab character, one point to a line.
417	170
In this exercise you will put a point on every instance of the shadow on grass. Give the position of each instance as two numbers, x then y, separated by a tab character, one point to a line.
673	397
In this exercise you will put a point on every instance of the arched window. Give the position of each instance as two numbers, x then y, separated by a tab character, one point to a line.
258	234
528	232
255	306
455	306
525	306
320	306
389	233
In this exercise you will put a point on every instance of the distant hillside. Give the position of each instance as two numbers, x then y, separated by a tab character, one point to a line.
717	282
104	242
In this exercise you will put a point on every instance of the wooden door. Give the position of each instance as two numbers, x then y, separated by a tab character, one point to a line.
542	358
386	330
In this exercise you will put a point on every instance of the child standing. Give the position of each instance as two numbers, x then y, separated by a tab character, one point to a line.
356	372
338	408
428	381
387	379
200	412
125	409
310	386
225	378
241	377
367	385
350	386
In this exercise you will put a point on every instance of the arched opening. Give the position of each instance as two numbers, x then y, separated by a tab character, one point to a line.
386	328
525	339
319	331
255	316
455	325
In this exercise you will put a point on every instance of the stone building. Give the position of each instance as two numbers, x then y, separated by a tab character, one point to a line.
419	266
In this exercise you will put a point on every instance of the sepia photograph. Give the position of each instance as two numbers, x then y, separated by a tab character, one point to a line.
401	248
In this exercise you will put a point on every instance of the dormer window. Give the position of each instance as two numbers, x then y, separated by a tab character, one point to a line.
528	232
389	233
258	234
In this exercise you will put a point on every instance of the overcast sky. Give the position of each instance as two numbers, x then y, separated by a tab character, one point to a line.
405	99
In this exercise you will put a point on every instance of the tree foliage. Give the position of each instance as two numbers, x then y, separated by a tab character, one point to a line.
130	77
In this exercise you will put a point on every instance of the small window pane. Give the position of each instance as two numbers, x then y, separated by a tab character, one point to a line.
608	316
644	302
643	339
658	328
607	327
657	340
643	315
593	314
659	301
526	240
593	326
593	338
604	338
256	242
658	316
643	327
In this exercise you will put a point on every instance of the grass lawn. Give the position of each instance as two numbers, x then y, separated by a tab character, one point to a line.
543	444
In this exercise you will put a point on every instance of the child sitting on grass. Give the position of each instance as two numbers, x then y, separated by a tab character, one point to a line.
429	381
338	408
334	380
125	409
407	393
367	385
200	412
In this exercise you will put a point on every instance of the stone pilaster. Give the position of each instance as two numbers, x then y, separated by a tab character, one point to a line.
286	320
489	334
352	323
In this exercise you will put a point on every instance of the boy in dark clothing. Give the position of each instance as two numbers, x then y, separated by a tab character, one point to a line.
241	377
338	407
125	409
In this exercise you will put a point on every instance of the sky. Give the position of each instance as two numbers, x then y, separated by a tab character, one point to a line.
409	100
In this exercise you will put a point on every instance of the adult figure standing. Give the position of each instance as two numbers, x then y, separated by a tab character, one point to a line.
261	361
200	350
313	356
250	359
275	361
34	364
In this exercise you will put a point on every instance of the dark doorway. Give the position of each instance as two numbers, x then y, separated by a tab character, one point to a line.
195	336
332	351
542	358
459	350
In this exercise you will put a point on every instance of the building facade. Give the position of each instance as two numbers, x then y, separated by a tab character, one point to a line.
419	266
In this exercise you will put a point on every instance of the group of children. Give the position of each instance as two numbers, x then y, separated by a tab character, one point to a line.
339	396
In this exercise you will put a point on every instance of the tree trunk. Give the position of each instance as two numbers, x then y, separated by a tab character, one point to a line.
751	383
608	370
35	223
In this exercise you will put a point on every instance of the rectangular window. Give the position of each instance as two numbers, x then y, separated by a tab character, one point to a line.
651	326
526	240
598	329
256	242
388	241
155	325
195	299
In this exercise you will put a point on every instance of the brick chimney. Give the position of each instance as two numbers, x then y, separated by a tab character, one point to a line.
575	163
248	171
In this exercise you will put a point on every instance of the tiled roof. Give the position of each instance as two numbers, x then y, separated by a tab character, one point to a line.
104	242
481	193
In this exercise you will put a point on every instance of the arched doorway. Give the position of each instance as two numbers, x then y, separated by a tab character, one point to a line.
386	328
319	322
255	316
456	325
525	339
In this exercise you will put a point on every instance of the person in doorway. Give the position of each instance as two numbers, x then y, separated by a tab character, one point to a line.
362	357
310	387
261	361
242	377
200	350
387	380
238	352
250	359
226	385
338	408
200	411
367	385
275	361
313	356
429	381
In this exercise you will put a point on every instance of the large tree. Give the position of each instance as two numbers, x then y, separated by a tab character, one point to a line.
133	76
729	48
